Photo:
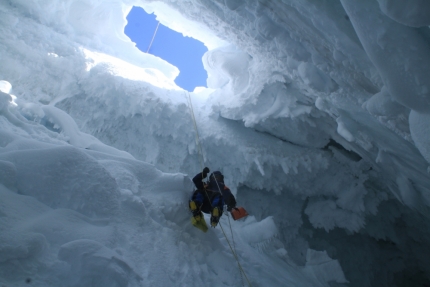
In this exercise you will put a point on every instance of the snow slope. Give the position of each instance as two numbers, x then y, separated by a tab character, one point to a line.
95	216
316	112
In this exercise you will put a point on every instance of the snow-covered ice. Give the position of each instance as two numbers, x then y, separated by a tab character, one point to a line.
317	113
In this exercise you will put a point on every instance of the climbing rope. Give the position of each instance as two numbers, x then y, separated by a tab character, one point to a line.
233	251
153	36
199	146
235	256
234	246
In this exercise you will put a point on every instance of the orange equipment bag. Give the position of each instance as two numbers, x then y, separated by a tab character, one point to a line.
238	213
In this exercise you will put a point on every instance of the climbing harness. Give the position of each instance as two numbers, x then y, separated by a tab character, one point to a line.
153	37
232	248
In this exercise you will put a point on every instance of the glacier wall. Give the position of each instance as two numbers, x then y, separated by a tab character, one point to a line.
317	112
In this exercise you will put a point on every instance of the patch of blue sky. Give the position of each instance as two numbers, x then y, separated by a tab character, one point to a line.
183	52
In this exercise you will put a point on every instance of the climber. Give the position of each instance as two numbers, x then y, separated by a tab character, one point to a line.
210	197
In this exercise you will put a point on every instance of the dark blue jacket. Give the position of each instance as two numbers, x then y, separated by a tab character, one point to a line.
215	187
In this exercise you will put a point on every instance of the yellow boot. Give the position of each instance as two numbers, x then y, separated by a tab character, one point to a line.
215	217
199	222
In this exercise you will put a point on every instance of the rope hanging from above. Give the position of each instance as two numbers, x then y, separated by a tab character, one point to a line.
153	36
233	251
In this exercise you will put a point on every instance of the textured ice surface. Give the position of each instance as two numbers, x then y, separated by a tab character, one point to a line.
317	115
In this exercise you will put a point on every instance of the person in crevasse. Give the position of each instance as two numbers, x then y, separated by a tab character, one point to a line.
210	197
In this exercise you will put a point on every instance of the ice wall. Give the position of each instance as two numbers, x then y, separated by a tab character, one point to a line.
318	115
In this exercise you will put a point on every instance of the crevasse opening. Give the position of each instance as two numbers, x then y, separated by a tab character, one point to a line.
183	52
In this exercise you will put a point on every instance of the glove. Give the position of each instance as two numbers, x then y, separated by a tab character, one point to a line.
230	207
205	172
231	203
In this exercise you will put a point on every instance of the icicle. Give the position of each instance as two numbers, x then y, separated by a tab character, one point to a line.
260	168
